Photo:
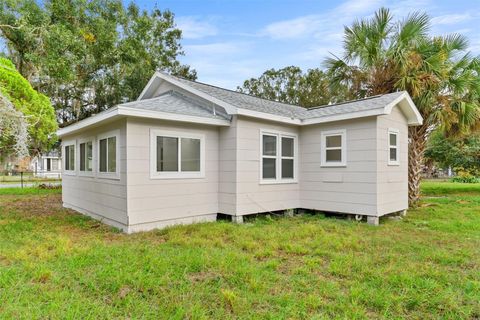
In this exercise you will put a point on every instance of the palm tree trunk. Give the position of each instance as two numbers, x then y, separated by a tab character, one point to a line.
416	149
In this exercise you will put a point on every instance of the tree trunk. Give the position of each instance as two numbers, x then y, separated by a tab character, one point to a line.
416	149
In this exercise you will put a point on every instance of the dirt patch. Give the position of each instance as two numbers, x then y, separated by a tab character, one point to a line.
28	206
203	276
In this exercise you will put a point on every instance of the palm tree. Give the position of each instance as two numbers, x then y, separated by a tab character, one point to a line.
382	56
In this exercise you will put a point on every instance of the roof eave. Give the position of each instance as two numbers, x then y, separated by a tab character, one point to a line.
414	118
88	122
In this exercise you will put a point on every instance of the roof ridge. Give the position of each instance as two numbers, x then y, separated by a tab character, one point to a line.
233	91
352	101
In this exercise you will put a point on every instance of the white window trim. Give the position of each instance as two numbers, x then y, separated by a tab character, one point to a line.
108	175
323	148
154	174
86	173
278	157
397	146
64	145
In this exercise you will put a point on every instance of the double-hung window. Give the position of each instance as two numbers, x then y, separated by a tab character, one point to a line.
334	148
278	154
86	156
108	154
69	157
393	147
176	155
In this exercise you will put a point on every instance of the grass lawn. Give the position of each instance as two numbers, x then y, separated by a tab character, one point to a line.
57	264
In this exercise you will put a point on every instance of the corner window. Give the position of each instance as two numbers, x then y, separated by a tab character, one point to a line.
86	156
278	153
108	154
69	157
393	147
176	155
333	148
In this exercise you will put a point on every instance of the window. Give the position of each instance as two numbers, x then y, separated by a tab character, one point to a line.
108	155
176	155
278	152
393	147
333	148
69	157
86	156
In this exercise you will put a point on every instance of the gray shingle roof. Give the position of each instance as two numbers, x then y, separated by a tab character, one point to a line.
174	102
245	101
371	103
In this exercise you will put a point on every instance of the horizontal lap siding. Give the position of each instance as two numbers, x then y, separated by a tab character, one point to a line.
103	197
227	169
350	189
151	200
392	180
253	197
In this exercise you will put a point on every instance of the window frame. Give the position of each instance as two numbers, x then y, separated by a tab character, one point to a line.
154	174
397	147
108	175
278	157
65	144
343	148
87	173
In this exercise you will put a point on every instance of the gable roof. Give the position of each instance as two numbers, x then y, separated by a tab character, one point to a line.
239	103
201	106
177	103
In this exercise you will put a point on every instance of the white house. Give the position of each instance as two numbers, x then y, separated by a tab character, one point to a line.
186	151
47	165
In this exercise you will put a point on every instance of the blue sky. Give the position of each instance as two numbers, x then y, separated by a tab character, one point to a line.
230	41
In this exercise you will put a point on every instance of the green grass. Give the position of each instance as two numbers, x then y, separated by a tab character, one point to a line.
28	191
57	264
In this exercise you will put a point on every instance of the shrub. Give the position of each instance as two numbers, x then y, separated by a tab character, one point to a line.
465	177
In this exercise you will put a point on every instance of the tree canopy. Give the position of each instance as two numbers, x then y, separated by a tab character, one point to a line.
461	154
291	85
21	105
89	55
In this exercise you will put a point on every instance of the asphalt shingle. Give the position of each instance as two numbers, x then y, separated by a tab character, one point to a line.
174	102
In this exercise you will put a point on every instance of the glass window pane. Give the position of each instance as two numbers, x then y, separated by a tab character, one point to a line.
269	145
89	157
167	154
103	155
190	154
65	157
112	154
393	154
334	156
287	168
269	168
72	158
334	141
393	139
82	156
287	147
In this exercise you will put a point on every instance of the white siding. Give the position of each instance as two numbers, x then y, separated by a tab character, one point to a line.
102	198
227	169
349	189
253	197
392	180
153	200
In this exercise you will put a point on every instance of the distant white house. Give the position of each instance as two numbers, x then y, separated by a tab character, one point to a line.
47	165
186	151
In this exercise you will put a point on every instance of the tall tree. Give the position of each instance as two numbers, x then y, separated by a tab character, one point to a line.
382	56
291	85
27	118
88	55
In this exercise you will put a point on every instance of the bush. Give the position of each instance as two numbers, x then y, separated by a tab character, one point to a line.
465	177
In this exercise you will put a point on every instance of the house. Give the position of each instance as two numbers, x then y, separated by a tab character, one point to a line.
186	151
47	165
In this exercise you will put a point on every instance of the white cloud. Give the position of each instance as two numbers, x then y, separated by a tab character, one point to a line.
196	28
449	19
